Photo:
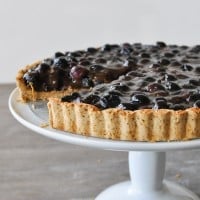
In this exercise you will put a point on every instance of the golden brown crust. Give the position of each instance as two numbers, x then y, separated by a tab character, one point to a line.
29	94
117	124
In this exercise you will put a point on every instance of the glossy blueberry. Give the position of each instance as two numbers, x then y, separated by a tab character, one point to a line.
110	101
197	104
194	82
101	60
197	70
161	105
149	79
177	107
92	50
161	44
140	98
61	63
43	68
194	97
58	54
186	67
121	88
169	55
85	62
91	99
172	86
164	61
87	82
169	77
96	67
128	106
155	87
69	98
78	72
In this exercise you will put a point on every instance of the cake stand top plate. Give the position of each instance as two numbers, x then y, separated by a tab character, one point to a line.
34	118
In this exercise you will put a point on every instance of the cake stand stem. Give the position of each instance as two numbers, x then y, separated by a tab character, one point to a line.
147	171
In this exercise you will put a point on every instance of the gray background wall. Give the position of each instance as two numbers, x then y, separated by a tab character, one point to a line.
34	29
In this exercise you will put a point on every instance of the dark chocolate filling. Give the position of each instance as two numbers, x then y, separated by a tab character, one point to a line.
127	76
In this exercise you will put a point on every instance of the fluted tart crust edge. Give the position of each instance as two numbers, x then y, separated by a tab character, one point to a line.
140	125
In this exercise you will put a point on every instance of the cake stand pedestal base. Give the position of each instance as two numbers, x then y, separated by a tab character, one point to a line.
146	172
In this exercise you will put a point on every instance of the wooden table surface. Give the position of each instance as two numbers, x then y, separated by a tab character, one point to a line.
33	167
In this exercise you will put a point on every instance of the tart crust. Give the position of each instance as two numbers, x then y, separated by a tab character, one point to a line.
140	125
29	94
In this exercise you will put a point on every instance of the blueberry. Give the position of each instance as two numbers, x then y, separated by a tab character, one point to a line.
169	77
106	47
161	105
177	107
172	86
48	61
140	98
92	50
87	82
194	97
197	104
144	61
161	44
186	67
145	55
58	54
169	55
32	78
149	79
176	64
78	72
121	87
77	53
164	61
69	98
61	63
110	101
128	106
91	99
154	87
96	67
43	68
129	63
197	70
194	82
101	60
85	62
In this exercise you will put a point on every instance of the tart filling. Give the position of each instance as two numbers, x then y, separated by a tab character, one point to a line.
128	92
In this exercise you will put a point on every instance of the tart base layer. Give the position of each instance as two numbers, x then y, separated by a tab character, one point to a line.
140	125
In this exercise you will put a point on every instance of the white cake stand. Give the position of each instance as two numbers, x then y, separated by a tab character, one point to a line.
146	160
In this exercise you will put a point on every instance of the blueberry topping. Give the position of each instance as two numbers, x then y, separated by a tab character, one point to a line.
126	76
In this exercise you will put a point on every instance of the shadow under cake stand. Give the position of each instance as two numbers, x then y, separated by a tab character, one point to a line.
146	160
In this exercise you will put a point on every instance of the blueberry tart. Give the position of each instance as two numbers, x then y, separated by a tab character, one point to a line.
131	92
